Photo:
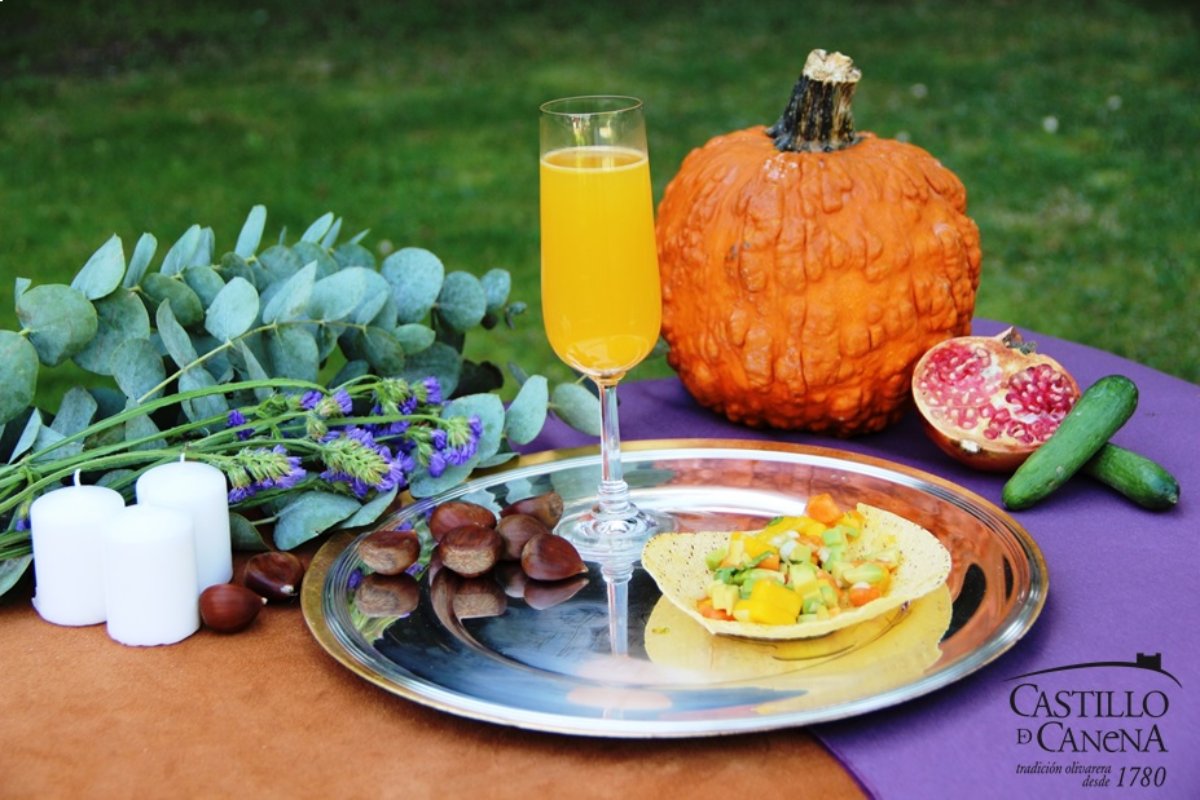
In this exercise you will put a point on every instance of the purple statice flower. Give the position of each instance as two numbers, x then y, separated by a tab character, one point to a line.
309	400
352	457
257	469
458	442
432	390
437	464
22	523
409	406
236	419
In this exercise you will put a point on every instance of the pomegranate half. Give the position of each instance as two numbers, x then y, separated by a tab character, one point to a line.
990	401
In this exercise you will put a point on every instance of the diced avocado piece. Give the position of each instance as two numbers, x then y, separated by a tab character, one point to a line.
724	597
714	558
834	537
800	554
800	574
865	573
829	595
812	603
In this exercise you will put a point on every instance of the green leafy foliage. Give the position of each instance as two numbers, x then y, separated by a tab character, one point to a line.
182	344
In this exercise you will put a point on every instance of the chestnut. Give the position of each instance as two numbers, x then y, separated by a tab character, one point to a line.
547	557
512	578
546	507
470	550
457	513
475	598
389	552
229	608
387	595
516	530
275	575
540	595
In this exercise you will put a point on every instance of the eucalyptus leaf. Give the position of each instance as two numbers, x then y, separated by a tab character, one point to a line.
109	401
185	303
293	353
18	374
203	254
116	478
414	337
19	287
438	361
526	415
233	310
502	457
252	230
142	427
313	252
425	485
103	271
372	510
75	412
462	301
310	514
60	321
416	277
353	254
336	297
138	368
331	236
577	407
29	435
383	351
120	317
490	411
511	312
143	254
317	230
175	339
292	300
280	262
12	570
234	266
479	377
377	296
253	369
351	370
43	445
180	254
200	408
497	285
205	281
245	536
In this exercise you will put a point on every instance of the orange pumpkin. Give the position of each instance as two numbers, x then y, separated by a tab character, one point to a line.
806	267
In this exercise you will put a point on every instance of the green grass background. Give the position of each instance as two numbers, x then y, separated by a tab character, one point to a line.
1072	124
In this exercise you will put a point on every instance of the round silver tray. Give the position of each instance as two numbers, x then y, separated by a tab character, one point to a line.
615	659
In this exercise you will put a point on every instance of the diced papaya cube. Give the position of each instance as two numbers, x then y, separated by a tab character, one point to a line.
822	508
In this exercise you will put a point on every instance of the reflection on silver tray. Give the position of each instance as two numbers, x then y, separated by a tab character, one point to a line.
617	660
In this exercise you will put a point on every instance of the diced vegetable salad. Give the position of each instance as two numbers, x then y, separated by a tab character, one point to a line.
797	569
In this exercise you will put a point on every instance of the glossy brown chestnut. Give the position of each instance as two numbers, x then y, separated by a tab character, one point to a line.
541	595
229	608
476	598
547	557
275	575
457	513
387	595
547	507
516	530
389	552
470	550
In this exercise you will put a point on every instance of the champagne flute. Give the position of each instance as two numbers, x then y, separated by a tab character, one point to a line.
601	298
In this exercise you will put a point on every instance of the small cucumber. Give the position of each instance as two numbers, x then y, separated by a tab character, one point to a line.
1141	480
1097	415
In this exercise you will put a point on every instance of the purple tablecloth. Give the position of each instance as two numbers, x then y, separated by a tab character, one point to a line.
1123	581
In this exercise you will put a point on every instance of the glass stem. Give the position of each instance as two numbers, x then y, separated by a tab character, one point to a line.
614	492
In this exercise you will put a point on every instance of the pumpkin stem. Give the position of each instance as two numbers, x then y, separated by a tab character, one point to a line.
818	116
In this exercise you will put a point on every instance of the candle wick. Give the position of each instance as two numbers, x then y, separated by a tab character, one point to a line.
77	476
182	456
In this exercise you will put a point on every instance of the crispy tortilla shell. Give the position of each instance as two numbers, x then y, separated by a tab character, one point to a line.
676	562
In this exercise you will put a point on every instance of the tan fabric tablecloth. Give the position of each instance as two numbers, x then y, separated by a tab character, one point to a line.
268	713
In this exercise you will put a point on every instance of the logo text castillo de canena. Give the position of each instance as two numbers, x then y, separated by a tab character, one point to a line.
1065	720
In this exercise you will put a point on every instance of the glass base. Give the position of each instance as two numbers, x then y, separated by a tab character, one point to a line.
615	542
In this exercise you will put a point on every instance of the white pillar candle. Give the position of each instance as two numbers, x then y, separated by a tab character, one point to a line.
150	591
65	526
199	491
